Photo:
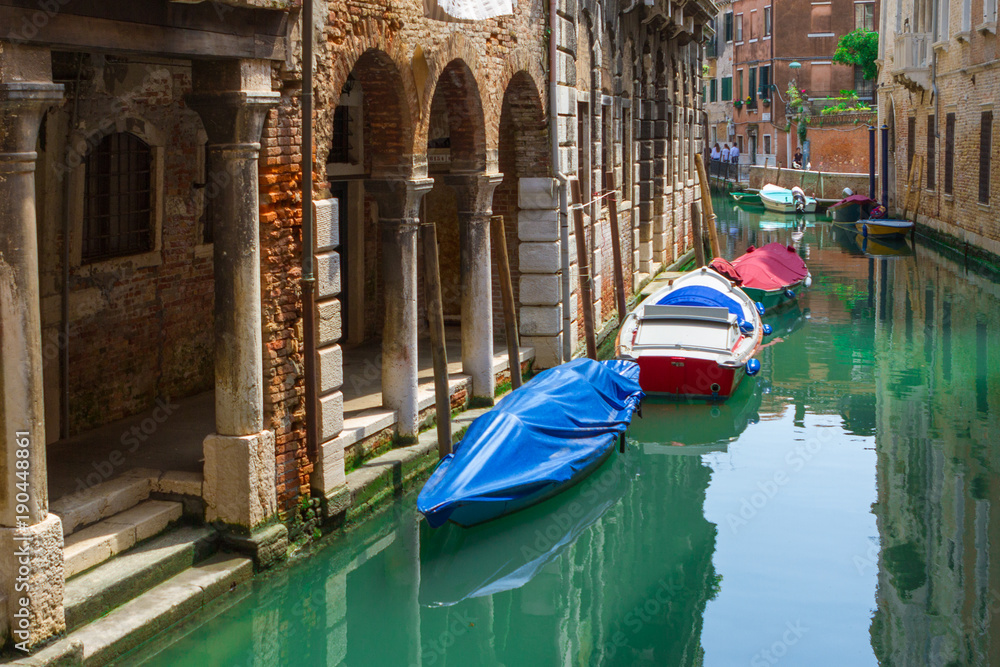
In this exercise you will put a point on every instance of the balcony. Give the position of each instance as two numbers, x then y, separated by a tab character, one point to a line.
912	62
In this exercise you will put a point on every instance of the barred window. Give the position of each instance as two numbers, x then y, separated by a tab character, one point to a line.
117	216
949	153
911	141
985	149
931	184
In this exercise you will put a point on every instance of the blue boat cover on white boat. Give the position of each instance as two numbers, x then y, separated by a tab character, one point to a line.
537	439
700	295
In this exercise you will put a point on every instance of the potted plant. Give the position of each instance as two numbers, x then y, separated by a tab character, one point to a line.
766	102
737	103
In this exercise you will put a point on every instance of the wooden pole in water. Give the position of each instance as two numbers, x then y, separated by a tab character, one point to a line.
616	249
706	197
699	244
435	317
583	268
507	292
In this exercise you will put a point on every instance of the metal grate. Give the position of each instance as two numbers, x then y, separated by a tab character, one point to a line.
117	199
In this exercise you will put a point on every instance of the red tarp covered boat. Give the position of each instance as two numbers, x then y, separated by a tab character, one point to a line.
770	275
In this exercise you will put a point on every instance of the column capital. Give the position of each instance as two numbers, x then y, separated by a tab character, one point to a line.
233	117
474	191
22	104
399	199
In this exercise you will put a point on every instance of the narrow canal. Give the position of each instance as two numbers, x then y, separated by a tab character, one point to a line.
836	511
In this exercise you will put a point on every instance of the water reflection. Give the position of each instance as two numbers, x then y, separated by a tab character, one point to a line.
846	492
939	582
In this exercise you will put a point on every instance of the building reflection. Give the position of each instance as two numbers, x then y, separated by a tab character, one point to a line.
937	376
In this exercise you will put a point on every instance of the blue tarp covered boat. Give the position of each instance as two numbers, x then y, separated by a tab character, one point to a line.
536	442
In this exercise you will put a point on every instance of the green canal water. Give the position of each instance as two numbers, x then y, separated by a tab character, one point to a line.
838	510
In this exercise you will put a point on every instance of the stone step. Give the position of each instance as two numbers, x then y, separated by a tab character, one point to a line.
101	501
127	576
137	621
92	546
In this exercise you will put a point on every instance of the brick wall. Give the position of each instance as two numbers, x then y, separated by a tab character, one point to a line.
838	142
141	326
281	261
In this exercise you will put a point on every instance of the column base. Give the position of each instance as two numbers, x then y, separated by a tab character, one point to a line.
266	546
239	487
31	559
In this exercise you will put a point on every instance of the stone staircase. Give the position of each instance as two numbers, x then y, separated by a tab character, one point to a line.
133	566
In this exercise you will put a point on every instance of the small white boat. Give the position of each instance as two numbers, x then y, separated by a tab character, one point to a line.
695	337
783	200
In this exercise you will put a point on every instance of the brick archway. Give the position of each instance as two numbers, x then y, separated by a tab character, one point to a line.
523	151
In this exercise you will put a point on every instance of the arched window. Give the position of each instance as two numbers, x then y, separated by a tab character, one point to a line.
117	217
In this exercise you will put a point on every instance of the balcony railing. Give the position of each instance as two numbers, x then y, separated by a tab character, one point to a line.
912	59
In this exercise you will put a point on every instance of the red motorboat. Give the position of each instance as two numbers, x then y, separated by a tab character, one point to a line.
696	337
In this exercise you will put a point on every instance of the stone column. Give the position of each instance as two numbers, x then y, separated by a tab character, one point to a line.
474	195
31	539
398	211
233	99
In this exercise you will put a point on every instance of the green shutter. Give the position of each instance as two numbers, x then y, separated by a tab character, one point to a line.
713	91
727	89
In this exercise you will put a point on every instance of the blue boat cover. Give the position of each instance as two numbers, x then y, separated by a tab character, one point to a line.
537	439
700	295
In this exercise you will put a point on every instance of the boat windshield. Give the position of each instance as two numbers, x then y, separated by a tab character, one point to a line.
685	333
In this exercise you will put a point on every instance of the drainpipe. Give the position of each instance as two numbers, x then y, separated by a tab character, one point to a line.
308	281
567	288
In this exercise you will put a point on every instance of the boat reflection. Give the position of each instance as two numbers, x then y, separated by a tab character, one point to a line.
696	427
459	564
883	246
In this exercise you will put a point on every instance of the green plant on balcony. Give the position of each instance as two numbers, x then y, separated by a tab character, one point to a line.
737	103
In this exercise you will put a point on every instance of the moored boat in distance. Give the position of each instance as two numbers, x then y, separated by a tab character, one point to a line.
539	440
772	274
695	337
783	200
883	227
851	208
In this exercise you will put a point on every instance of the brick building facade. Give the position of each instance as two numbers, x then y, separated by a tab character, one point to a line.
767	39
939	86
151	245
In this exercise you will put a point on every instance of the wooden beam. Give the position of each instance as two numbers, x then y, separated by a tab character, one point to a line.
583	269
706	197
172	36
507	292
435	317
616	248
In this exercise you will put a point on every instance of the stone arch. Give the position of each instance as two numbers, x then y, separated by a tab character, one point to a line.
380	67
456	97
523	151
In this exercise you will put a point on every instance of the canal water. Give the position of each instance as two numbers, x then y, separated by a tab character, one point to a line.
838	510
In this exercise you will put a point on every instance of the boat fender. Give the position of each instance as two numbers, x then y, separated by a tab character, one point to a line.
791	248
746	327
760	307
864	231
750	248
809	280
621	444
753	367
790	293
767	329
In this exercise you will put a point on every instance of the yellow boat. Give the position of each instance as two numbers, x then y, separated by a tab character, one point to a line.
880	227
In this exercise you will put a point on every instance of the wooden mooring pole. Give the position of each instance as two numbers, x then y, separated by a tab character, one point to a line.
435	317
699	244
616	249
706	197
583	268
507	292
